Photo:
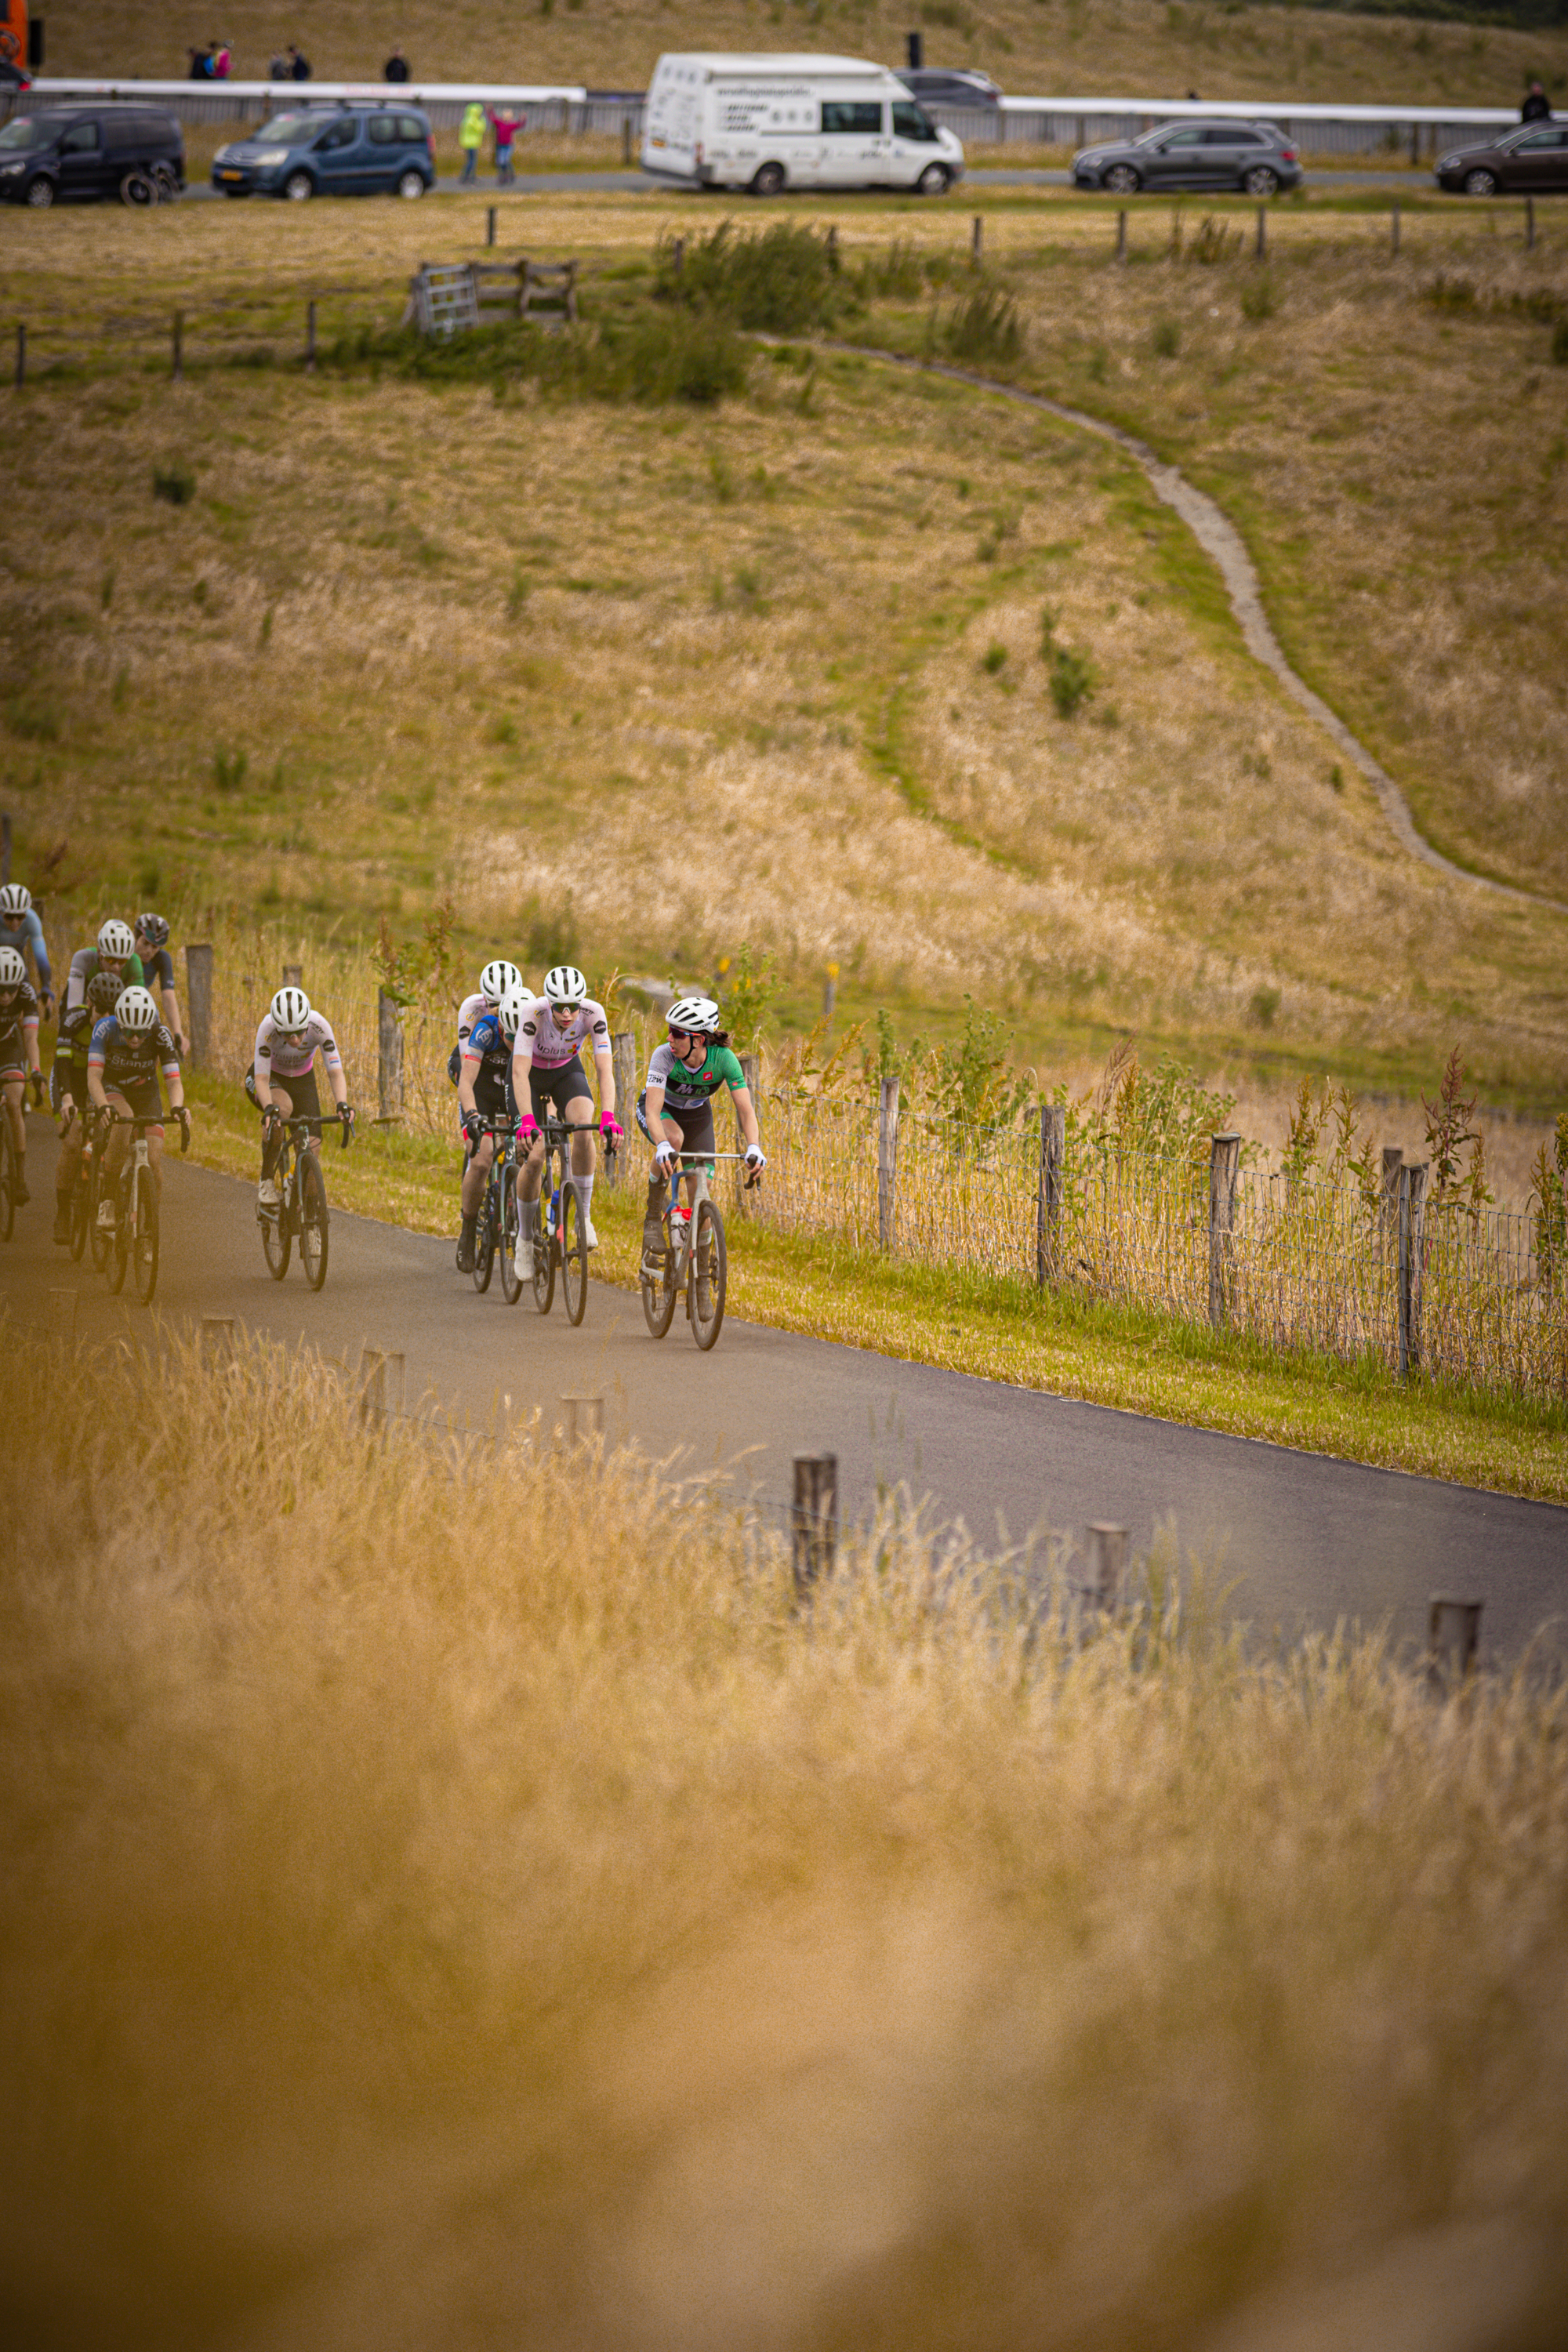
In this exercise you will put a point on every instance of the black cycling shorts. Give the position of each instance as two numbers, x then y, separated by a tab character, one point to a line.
696	1126
493	1097
141	1097
301	1096
566	1084
13	1063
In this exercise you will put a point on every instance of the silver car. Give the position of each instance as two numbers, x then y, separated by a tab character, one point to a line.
1253	159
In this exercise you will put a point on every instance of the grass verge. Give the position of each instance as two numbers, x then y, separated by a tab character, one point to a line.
998	1329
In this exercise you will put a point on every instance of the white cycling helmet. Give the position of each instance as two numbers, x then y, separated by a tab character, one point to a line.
290	1009
15	899
135	1012
497	980
511	1010
117	940
695	1013
13	971
565	985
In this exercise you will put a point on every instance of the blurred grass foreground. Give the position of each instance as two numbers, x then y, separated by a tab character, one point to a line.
455	1898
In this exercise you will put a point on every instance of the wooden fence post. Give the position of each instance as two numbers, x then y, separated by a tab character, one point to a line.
582	1420
1225	1153
751	1070
389	1058
887	1165
1107	1564
623	1065
830	990
4	848
217	1341
1393	230
178	346
489	225
294	975
1262	248
1412	1253
199	1003
1120	236
976	239
814	1519
311	337
1453	1635
21	355
380	1396
1529	224
1049	1201
1388	1215
626	140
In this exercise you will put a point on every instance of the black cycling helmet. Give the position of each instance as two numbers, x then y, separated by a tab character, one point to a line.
154	929
103	991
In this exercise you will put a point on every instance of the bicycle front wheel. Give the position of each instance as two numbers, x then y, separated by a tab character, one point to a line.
7	1165
82	1211
102	1242
145	1248
485	1243
277	1234
705	1284
511	1227
313	1221
119	1264
659	1291
544	1247
574	1254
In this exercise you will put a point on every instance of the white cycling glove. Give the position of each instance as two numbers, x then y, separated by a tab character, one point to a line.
664	1158
756	1159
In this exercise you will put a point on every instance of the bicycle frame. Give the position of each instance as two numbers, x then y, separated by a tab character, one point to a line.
697	1177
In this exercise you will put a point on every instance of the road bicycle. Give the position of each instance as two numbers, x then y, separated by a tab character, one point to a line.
82	1204
8	1166
499	1222
557	1242
131	1245
302	1207
694	1255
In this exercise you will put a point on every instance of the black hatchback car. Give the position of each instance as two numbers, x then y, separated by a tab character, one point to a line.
1526	161
342	151
1255	157
62	154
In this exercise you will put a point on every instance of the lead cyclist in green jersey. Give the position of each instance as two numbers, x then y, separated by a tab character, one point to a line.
675	1110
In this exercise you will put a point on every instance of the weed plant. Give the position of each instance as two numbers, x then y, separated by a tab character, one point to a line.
588	1944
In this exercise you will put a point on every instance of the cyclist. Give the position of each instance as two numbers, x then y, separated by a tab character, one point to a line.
150	935
484	1091
129	1049
497	978
22	929
115	952
18	1058
68	1088
285	1066
547	1068
674	1109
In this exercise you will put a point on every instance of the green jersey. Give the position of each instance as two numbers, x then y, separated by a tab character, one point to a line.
687	1089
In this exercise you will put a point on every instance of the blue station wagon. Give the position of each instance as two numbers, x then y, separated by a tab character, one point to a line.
344	151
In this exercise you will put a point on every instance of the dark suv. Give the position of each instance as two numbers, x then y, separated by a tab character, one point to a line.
1255	157
1533	158
344	151
68	154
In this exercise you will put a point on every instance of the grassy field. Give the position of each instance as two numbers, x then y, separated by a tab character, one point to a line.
419	1933
1140	48
643	683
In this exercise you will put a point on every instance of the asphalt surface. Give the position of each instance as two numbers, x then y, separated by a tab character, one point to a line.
556	183
1308	1541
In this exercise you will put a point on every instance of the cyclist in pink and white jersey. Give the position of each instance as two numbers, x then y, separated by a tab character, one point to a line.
282	1081
547	1068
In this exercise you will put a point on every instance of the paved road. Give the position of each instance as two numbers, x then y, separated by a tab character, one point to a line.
557	184
1310	1539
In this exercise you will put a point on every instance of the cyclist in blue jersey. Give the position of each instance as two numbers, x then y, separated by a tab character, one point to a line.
150	933
22	929
18	1058
484	1092
131	1049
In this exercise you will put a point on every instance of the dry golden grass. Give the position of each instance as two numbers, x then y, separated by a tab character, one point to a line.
458	1901
1138	47
483	646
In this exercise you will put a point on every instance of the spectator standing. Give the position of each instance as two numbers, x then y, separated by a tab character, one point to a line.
298	66
201	66
223	60
506	128
1537	106
471	138
279	70
397	68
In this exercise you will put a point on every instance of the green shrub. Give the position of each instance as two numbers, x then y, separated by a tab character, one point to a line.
1215	242
1072	682
1265	1005
779	281
995	656
229	770
174	482
1167	339
1258	300
984	326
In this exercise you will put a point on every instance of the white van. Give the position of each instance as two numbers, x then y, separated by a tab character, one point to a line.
768	123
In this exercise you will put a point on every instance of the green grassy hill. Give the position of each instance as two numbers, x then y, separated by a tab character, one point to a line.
1067	47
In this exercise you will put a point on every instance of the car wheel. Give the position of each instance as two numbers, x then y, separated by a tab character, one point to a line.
137	190
1123	180
1480	183
934	181
40	193
1260	181
299	186
769	181
411	184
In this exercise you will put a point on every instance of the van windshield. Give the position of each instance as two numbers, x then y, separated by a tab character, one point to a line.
24	133
292	129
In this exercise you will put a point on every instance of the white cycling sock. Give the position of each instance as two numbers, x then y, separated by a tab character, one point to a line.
583	1187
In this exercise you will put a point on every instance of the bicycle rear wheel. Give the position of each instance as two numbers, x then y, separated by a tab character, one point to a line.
485	1243
658	1291
511	1228
81	1211
313	1221
574	1254
543	1245
101	1243
144	1253
705	1283
119	1264
8	1200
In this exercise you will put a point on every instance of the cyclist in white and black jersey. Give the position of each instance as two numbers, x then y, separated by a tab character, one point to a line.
498	979
547	1068
282	1077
